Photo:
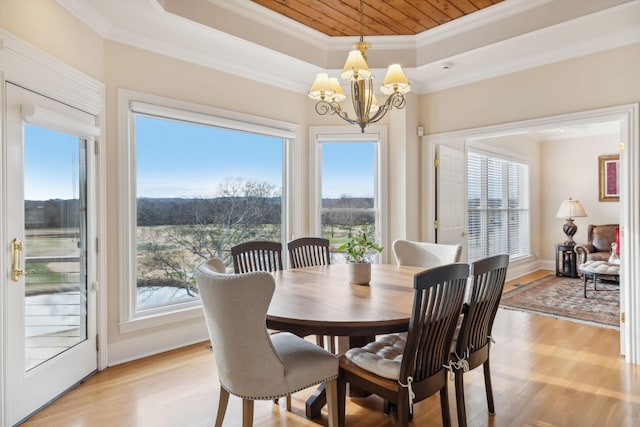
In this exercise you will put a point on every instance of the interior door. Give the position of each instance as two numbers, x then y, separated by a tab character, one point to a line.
51	309
451	197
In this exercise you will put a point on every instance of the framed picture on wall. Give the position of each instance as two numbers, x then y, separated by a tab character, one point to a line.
608	167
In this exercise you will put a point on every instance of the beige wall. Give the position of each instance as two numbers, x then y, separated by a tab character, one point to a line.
570	169
52	29
594	81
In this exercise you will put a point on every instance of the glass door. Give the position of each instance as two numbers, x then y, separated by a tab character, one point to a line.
51	305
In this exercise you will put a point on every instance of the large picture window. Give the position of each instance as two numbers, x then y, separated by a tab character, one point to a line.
498	206
199	184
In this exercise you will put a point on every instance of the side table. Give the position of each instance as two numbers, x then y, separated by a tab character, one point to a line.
566	260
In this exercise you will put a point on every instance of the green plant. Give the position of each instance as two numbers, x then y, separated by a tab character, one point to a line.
358	246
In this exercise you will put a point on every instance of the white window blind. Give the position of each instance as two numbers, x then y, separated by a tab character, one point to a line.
498	206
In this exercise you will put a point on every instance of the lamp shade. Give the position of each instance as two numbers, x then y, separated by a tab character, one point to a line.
395	80
321	87
570	209
355	66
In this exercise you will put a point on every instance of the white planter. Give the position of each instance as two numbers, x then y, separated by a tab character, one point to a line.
359	273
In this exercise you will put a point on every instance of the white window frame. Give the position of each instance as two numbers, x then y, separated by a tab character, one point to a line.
509	157
330	134
131	103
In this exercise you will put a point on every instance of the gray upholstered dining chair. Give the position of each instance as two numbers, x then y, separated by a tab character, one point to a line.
406	368
472	345
251	363
425	254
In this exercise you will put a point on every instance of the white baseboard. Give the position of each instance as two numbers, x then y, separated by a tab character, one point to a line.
520	269
151	343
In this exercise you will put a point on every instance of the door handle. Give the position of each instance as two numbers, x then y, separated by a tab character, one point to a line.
16	260
463	234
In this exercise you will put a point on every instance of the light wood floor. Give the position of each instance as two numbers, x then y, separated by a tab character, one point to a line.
546	372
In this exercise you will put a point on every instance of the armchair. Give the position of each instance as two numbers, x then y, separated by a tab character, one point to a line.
598	247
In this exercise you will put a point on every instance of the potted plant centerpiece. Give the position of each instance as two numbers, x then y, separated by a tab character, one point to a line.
360	248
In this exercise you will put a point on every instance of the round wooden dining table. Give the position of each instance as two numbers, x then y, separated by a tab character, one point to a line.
321	301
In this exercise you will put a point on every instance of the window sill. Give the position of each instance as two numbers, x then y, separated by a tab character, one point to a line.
155	320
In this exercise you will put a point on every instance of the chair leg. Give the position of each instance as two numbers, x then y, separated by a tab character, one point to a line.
222	406
247	413
342	397
288	404
320	340
460	404
444	405
387	406
488	387
331	388
402	409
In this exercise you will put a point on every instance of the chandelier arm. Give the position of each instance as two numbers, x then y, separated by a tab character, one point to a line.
396	99
323	108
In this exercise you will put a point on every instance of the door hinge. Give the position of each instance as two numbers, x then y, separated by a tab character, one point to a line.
621	145
97	342
97	245
436	163
96	148
436	224
622	317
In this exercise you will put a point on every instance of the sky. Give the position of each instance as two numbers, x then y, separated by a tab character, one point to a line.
51	164
179	159
206	156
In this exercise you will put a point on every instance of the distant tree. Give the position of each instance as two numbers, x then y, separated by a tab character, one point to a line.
242	210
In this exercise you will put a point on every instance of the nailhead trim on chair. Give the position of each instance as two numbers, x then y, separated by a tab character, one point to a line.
271	397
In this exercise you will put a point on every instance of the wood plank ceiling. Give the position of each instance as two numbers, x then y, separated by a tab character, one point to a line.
380	17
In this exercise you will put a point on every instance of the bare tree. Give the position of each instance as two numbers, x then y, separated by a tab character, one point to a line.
242	210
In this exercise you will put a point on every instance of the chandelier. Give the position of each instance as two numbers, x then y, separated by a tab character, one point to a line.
328	92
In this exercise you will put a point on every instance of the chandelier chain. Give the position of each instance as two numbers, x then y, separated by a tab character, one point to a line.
361	20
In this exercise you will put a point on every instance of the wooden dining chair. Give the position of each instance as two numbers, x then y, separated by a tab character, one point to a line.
308	252
257	256
404	369
473	343
425	254
251	363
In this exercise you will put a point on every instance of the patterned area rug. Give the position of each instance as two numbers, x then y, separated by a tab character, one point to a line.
563	297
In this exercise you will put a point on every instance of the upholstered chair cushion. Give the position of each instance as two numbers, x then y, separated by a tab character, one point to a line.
382	357
425	254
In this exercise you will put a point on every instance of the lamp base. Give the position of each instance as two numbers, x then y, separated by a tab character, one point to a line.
569	229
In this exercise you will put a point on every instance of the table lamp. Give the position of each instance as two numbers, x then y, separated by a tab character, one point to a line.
570	209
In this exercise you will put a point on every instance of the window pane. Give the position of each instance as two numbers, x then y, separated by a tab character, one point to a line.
348	182
498	198
200	190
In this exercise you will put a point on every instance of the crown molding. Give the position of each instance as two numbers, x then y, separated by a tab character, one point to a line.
463	43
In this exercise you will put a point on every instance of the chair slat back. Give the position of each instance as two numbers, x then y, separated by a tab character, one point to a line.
257	256
309	251
439	294
489	275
